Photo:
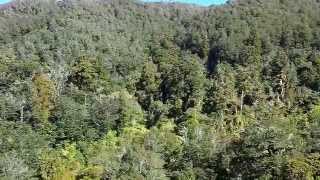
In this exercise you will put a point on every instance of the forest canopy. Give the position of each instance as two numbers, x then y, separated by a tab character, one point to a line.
119	89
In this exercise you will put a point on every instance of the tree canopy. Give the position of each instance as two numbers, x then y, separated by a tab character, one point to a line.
120	89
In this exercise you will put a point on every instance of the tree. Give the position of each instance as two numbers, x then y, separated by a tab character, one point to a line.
90	75
23	150
104	113
119	89
72	121
12	167
302	167
222	94
284	78
313	140
148	85
126	157
130	112
42	98
249	73
60	164
197	42
182	85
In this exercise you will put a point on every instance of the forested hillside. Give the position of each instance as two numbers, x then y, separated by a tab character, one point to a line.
119	89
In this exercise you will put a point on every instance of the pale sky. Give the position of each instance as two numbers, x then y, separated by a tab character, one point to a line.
4	1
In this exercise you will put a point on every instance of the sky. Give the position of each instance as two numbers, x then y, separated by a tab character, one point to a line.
200	2
4	1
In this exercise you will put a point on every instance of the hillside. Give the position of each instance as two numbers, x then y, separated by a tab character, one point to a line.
119	89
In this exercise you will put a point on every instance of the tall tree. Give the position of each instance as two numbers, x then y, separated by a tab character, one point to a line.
42	97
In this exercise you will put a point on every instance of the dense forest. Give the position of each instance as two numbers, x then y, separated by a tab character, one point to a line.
120	89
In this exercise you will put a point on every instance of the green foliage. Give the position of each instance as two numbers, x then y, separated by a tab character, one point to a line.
42	97
148	86
130	111
120	89
222	94
73	121
300	167
89	74
315	114
12	167
60	164
20	150
126	156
